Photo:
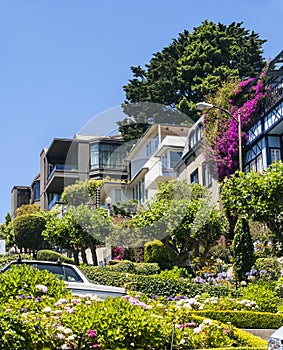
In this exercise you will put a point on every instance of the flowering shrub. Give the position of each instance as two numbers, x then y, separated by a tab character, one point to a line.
35	318
224	145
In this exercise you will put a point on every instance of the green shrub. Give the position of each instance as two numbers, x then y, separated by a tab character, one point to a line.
262	294
268	268
105	276
7	258
147	268
155	252
133	267
51	255
175	273
123	266
244	319
14	332
158	286
23	280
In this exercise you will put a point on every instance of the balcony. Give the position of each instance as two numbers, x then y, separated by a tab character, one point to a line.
56	199
62	168
60	176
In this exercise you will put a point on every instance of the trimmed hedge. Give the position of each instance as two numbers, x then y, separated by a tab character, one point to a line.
244	319
154	285
135	268
157	286
51	255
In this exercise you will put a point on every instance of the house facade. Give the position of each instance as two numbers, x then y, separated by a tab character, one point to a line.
265	135
66	161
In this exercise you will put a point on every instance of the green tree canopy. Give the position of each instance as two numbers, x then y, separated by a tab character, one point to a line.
257	196
189	68
81	192
28	230
180	215
79	228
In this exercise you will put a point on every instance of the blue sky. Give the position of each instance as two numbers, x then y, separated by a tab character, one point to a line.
64	62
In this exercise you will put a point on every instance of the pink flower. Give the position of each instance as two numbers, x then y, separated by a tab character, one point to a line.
91	333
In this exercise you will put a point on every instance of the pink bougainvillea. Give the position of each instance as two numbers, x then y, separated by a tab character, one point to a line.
225	146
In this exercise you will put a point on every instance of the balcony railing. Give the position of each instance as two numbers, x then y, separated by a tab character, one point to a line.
63	167
55	199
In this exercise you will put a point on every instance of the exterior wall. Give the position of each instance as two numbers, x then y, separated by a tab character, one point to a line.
20	195
145	159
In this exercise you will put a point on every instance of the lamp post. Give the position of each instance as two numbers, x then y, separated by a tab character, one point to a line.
108	202
203	105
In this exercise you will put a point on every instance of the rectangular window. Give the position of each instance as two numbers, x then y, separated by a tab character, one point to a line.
139	192
107	156
174	158
253	165
194	177
275	155
164	160
152	146
118	195
259	163
206	177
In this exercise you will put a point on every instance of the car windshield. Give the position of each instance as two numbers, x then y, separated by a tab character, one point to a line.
66	273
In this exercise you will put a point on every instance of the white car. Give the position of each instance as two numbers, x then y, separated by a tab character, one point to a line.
75	280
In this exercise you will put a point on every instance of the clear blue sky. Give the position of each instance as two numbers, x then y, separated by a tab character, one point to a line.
63	62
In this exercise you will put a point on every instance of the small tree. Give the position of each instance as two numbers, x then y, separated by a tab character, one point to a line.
242	249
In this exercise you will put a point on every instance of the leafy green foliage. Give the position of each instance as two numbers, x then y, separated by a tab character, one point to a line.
27	209
244	319
180	215
80	192
242	249
78	229
257	196
51	255
268	269
192	66
263	295
23	279
28	230
155	252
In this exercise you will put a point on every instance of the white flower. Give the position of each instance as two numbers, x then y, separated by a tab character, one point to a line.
42	288
68	331
60	336
47	309
197	330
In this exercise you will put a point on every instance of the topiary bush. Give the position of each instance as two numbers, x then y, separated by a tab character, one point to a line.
147	268
155	252
51	255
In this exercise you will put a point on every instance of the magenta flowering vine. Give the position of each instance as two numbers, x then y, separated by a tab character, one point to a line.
225	146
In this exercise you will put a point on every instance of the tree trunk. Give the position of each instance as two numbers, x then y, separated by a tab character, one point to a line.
93	253
84	257
76	257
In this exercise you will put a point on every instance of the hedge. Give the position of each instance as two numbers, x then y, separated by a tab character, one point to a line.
51	255
244	319
157	286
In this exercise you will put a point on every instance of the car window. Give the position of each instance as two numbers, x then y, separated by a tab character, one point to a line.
72	275
55	269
